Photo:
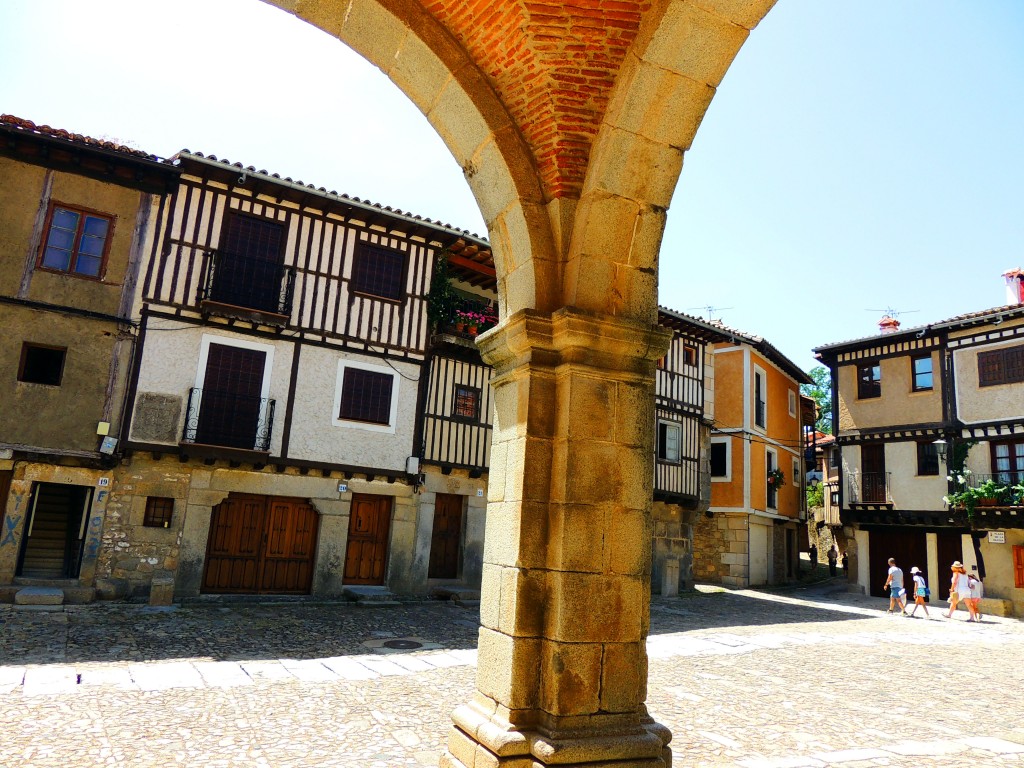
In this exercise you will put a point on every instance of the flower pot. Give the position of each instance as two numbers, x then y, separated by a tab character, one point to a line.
473	330
987	502
460	327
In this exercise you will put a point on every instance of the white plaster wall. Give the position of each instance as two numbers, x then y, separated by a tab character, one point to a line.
863	558
909	490
170	364
975	404
316	437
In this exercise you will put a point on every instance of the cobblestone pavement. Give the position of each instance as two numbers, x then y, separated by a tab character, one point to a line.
744	678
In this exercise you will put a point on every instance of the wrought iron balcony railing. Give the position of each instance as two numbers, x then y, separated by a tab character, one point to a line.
1009	477
228	420
870	488
242	281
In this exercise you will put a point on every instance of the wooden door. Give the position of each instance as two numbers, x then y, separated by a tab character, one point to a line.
232	388
261	545
909	547
872	458
950	547
446	539
367	550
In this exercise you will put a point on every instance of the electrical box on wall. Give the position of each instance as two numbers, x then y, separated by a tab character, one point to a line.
412	465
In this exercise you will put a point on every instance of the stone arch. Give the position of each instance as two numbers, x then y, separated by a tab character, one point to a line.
663	90
423	59
546	239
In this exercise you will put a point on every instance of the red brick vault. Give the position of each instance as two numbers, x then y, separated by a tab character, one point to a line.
570	121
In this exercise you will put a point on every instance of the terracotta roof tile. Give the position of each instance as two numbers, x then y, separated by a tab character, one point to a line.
28	126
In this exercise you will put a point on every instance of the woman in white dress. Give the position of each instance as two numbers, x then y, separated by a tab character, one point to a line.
959	589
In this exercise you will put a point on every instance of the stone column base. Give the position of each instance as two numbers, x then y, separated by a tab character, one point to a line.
479	740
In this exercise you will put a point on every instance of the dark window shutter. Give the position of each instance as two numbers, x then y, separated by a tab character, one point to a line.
366	396
378	271
259	239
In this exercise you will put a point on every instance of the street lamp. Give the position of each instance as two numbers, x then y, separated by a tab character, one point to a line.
940	448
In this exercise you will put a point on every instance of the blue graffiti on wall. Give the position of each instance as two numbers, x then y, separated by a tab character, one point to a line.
92	546
11	524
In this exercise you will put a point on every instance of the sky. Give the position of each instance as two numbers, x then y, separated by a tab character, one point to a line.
858	157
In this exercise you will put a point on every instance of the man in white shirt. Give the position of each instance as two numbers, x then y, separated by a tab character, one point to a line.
897	594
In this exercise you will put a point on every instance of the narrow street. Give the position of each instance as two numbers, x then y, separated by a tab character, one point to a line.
796	678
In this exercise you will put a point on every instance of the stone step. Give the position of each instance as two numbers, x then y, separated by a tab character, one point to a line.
53	596
369	595
455	592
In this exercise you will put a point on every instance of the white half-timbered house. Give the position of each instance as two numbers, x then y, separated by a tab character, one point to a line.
272	416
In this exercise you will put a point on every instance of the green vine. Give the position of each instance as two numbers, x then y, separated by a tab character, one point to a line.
443	300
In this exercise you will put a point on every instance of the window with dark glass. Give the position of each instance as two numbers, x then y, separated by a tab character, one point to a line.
76	241
1001	366
922	371
159	511
41	364
669	440
869	380
760	405
689	355
467	402
366	396
927	459
833	457
719	459
378	271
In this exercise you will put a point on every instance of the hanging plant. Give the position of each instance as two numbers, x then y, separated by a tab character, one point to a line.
443	300
775	478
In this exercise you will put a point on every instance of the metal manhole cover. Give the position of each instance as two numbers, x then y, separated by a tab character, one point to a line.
404	645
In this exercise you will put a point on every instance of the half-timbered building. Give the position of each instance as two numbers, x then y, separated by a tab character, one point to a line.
914	407
76	219
273	409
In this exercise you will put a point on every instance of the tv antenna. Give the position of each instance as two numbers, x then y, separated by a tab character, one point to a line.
894	313
710	309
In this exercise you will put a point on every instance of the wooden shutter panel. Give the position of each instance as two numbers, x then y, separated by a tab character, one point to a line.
366	396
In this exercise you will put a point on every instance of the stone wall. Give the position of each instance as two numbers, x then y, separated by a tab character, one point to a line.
673	543
720	549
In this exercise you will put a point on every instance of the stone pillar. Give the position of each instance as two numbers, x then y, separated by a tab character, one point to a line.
562	672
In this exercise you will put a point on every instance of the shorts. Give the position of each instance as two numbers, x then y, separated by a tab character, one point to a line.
897	594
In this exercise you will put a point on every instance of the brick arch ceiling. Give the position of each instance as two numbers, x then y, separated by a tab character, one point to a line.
564	115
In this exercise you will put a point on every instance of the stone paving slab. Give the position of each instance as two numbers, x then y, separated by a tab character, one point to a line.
741	678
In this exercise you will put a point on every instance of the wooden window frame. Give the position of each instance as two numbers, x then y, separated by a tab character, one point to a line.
868	389
28	345
1017	472
690	355
927	459
159	512
1001	366
475	393
369	415
363	272
1018	566
662	455
83	212
914	360
726	443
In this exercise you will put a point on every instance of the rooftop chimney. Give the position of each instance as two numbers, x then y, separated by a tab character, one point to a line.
1014	286
888	324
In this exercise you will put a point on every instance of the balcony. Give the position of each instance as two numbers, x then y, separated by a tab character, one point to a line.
228	420
870	488
252	289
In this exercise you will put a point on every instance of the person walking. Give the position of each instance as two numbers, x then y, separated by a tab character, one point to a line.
959	588
920	591
833	556
897	594
846	562
974	601
814	558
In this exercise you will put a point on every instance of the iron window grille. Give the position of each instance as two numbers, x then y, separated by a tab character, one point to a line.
159	512
467	402
247	282
228	419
